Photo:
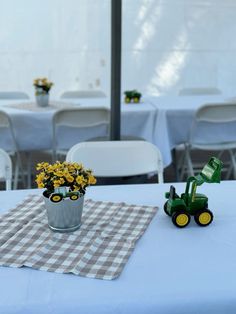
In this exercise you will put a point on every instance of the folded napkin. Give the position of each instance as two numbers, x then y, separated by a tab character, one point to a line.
99	249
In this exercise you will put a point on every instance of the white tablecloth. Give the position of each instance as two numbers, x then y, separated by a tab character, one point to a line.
34	128
171	271
164	121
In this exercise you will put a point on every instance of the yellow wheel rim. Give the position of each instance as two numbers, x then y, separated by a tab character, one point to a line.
127	100
182	220
74	197
136	100
204	218
56	198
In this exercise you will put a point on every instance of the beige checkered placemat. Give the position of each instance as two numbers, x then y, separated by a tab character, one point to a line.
99	249
32	106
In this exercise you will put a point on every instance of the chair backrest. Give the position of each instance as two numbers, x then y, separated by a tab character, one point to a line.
118	158
6	169
83	94
89	123
212	120
199	91
217	113
13	95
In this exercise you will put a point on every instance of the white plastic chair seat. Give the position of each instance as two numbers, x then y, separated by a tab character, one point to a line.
118	158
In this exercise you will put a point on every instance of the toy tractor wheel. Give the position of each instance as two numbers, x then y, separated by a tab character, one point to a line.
204	217
181	218
74	197
165	208
127	100
136	100
56	197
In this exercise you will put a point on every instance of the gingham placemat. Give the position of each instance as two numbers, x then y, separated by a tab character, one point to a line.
99	249
32	106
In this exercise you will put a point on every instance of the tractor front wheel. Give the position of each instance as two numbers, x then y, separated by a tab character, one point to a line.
74	197
204	217
181	218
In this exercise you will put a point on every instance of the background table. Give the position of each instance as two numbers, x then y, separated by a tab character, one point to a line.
171	270
164	121
34	128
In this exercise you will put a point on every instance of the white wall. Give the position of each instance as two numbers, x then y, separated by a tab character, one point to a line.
167	44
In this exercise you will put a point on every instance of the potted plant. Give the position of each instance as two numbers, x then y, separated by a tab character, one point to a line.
42	88
65	184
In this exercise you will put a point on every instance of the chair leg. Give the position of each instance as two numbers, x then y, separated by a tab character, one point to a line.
19	170
175	163
16	175
232	157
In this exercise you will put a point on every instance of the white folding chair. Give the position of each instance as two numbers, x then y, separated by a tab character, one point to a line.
73	125
5	169
7	131
13	95
199	91
118	158
83	94
213	129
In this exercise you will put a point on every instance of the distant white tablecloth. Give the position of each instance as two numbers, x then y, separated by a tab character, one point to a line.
34	128
171	271
164	121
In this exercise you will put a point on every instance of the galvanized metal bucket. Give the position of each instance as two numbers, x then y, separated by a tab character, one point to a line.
64	216
42	100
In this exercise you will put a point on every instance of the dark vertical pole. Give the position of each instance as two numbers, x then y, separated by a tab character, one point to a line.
116	37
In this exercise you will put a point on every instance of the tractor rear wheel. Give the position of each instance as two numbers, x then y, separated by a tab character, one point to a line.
74	197
181	218
56	197
127	100
204	217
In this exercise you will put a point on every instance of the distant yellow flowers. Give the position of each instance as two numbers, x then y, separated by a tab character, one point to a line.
42	86
73	175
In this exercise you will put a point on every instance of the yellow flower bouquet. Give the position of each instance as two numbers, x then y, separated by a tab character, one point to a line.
42	86
64	174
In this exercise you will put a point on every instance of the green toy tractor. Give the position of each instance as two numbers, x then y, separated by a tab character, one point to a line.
132	95
63	192
190	203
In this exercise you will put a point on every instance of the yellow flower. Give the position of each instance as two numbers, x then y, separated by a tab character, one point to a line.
69	178
73	175
92	180
58	183
80	180
40	185
58	173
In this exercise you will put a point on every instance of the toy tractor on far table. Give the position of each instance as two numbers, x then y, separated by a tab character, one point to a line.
190	203
132	96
